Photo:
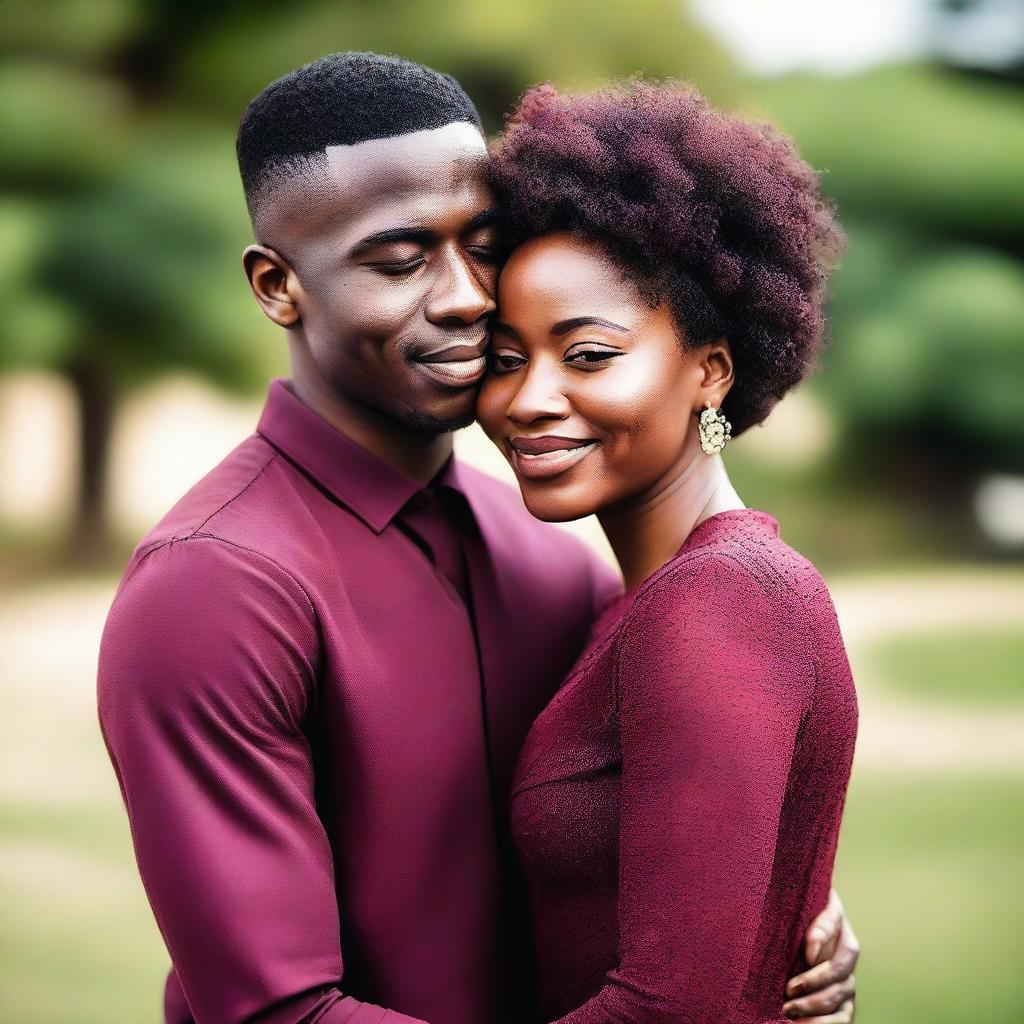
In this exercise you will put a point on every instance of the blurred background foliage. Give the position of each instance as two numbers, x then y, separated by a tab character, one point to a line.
123	221
120	201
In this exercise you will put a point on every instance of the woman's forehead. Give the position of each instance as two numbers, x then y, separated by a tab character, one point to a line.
563	267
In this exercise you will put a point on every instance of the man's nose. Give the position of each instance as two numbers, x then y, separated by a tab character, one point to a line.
463	294
540	396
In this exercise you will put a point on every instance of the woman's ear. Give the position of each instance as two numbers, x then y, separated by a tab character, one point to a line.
717	372
273	283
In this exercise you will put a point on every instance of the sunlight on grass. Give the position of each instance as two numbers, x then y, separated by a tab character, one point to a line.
931	872
983	667
932	875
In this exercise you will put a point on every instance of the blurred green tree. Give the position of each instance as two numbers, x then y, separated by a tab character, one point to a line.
927	360
119	189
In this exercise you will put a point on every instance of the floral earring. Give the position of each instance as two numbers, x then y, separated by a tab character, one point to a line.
714	429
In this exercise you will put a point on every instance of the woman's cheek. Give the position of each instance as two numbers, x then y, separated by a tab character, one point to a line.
638	411
494	397
624	397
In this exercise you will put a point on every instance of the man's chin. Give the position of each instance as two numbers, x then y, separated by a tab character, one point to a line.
430	424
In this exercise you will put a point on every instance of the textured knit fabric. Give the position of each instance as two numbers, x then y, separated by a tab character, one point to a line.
314	733
677	804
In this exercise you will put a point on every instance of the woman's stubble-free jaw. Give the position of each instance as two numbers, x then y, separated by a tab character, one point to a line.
638	407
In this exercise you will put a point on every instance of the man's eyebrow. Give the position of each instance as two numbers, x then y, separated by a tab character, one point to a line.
419	236
484	219
565	326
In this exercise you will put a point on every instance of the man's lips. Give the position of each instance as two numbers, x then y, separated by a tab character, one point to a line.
454	353
457	366
536	458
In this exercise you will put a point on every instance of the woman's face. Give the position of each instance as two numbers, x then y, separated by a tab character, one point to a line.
591	395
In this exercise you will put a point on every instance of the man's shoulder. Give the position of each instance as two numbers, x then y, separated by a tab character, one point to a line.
203	555
540	550
229	483
500	502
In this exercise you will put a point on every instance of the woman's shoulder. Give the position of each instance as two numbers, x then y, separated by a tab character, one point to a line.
727	609
734	563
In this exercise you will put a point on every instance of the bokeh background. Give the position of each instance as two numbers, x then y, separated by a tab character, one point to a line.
132	358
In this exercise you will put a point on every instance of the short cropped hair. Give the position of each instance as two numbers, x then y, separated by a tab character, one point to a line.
717	216
339	100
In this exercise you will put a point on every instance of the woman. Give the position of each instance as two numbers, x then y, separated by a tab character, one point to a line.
686	784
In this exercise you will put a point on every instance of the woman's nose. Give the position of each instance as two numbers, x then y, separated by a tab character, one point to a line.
539	397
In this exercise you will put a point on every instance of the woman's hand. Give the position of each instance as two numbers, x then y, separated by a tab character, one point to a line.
825	993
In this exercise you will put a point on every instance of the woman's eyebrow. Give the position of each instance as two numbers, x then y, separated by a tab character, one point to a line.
565	326
497	325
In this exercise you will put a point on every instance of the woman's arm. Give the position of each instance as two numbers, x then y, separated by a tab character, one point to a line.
712	692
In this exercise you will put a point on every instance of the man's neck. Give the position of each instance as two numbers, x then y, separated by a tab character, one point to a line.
416	455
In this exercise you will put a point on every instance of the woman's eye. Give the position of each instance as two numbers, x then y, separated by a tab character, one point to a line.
505	362
591	356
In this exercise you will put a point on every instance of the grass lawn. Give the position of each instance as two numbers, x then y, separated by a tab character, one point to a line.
979	667
932	874
931	870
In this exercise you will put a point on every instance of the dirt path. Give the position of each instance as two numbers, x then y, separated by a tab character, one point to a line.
51	751
898	733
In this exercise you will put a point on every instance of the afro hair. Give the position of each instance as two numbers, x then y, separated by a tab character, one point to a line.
715	215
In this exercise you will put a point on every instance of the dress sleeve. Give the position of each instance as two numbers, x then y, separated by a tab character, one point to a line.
207	674
712	692
606	583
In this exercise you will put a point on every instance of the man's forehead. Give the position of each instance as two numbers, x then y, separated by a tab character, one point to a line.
435	159
435	173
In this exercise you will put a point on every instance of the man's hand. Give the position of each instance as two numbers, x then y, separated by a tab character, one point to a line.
824	994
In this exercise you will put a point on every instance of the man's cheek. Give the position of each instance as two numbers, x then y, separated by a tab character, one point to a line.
488	278
382	310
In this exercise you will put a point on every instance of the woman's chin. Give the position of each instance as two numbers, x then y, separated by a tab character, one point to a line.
553	506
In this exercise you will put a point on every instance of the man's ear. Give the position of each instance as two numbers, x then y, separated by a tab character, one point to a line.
717	372
273	283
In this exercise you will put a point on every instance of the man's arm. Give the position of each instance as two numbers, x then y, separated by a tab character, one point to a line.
207	675
825	993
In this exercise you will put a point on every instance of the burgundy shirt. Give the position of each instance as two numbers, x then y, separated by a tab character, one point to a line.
677	804
314	733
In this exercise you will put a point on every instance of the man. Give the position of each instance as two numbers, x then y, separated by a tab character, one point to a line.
320	666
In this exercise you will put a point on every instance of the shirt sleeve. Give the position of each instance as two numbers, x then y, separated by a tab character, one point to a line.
712	695
207	674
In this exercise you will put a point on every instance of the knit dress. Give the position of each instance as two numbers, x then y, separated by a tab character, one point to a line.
677	804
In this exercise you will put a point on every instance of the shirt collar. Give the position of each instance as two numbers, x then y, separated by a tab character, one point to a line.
372	489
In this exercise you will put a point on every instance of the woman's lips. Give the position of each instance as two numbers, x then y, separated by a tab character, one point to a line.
538	457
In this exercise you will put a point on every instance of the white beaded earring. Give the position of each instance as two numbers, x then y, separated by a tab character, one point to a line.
714	429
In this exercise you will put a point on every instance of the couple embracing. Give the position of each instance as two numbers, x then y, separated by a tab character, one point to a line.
393	748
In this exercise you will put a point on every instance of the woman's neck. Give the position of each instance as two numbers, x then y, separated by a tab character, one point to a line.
646	531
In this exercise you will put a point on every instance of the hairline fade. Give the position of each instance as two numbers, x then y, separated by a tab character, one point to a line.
339	100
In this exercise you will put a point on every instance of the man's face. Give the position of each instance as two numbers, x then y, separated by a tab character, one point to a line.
394	263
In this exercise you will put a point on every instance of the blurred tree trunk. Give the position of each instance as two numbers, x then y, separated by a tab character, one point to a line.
90	539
